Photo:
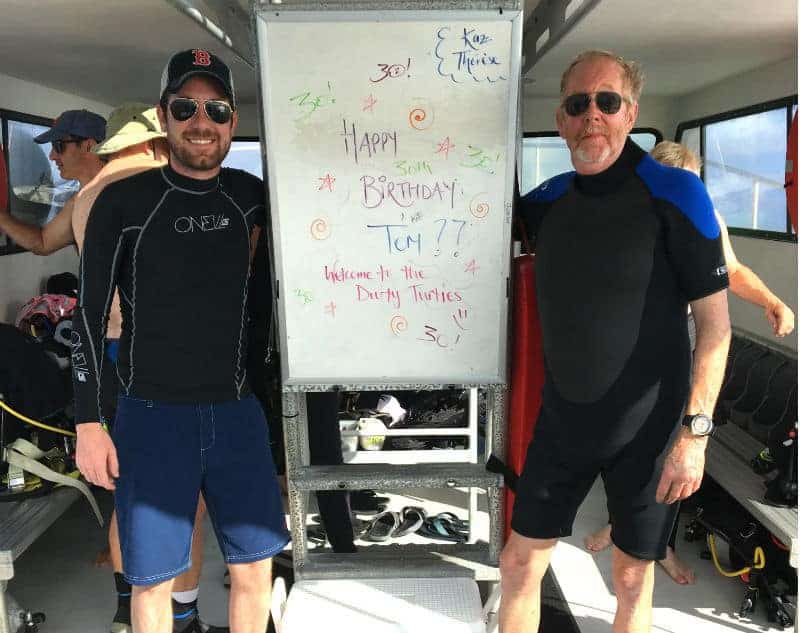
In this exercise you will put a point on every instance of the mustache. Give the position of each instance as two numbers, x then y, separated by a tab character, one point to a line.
200	135
593	129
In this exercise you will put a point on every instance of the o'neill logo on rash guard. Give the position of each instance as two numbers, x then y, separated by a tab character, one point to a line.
79	365
188	224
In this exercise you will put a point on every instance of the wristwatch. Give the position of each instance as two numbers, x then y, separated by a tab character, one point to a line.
699	424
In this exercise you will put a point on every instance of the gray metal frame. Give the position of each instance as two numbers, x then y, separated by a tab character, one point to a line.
388	5
303	478
551	16
234	22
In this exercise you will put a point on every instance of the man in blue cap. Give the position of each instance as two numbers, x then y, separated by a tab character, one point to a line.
72	138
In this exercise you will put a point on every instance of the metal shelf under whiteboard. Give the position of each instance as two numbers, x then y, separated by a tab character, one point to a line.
420	456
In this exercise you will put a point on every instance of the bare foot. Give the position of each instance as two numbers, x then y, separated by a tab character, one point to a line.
679	571
598	541
103	558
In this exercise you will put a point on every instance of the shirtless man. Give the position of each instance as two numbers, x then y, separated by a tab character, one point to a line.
73	136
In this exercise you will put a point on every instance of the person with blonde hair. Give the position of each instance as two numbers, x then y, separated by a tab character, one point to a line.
744	283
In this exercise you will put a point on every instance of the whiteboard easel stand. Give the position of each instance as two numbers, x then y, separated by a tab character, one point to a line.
283	24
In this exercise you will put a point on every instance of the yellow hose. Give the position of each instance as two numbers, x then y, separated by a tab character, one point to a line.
759	560
41	425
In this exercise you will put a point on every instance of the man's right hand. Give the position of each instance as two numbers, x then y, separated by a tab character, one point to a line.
780	317
96	455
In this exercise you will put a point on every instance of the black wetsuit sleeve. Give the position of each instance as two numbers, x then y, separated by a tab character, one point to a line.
694	243
102	251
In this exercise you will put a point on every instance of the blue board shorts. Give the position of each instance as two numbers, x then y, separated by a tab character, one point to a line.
168	454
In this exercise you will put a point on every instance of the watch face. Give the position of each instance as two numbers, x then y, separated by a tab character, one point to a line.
701	425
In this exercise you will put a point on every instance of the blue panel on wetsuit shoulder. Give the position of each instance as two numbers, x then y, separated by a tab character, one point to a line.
551	189
682	189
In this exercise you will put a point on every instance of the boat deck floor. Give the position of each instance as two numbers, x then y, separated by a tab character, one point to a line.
58	576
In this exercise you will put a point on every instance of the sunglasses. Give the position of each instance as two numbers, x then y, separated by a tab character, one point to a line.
184	108
607	102
60	145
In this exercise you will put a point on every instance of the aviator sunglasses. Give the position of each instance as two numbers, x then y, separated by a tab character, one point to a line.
607	102
59	145
184	108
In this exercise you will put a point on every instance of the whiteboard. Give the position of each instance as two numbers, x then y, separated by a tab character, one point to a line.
391	145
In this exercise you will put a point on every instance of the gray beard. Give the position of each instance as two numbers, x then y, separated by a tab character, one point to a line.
584	158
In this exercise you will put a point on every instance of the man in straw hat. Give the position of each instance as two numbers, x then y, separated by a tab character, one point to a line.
134	143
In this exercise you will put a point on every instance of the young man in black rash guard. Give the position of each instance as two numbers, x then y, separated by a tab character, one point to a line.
623	244
175	241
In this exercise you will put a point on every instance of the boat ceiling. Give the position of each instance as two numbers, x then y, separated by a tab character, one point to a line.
114	51
108	51
683	45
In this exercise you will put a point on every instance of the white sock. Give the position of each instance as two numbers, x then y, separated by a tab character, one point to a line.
185	597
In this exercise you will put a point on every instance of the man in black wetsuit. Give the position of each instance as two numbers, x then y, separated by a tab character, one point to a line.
623	244
175	241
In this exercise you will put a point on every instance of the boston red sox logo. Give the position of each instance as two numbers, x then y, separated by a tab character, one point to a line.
201	57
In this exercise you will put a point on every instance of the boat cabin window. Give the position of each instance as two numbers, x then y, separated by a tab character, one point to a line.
744	162
545	154
245	154
36	191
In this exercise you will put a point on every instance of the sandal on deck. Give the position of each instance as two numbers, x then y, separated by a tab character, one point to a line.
442	528
382	527
461	525
411	519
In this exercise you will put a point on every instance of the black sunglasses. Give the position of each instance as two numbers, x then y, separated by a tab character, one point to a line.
184	108
607	102
59	145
